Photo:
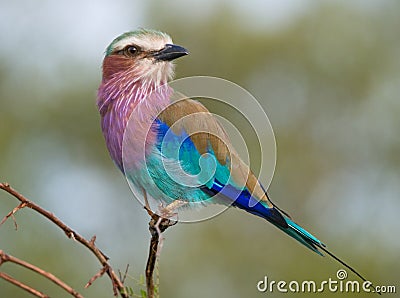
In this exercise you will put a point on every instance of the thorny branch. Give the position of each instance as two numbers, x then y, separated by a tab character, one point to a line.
157	225
118	286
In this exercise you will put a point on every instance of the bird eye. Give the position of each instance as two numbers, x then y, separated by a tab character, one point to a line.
131	50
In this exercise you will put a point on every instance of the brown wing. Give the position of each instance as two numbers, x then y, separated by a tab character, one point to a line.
205	131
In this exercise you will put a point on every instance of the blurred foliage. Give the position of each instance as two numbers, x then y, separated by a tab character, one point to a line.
330	83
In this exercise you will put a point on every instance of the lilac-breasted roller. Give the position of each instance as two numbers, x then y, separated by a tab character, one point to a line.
134	89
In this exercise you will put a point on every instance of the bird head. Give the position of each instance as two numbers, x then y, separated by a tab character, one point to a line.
141	55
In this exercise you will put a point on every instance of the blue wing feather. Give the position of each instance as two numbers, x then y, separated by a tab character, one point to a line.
220	184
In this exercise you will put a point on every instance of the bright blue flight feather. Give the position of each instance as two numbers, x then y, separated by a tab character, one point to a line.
218	184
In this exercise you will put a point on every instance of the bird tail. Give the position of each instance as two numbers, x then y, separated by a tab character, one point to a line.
244	200
301	235
282	220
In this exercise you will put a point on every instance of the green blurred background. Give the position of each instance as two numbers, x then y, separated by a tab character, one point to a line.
326	72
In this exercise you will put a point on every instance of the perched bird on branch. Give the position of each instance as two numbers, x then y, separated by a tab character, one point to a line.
175	150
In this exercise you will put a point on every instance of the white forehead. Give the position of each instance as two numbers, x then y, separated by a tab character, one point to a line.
144	41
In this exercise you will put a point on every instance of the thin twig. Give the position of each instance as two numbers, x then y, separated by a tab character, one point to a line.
8	258
22	285
96	276
157	225
118	286
123	278
11	214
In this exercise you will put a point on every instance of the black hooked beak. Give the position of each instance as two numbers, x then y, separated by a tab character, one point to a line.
170	52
